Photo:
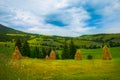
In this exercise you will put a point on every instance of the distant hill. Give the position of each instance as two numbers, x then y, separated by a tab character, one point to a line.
85	41
7	30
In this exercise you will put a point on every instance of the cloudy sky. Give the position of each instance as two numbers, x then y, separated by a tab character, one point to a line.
61	17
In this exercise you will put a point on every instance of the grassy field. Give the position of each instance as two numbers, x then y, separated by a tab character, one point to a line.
40	69
36	69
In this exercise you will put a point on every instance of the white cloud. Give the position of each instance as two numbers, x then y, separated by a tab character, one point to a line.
31	15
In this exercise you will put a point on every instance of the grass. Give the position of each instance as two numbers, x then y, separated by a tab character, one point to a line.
40	69
97	53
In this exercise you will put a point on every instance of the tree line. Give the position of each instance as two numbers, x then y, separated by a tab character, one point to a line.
26	50
69	51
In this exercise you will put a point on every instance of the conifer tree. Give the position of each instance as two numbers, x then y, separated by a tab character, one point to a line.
19	45
72	49
44	52
65	53
26	49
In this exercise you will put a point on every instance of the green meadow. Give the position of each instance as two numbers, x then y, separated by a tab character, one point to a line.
41	69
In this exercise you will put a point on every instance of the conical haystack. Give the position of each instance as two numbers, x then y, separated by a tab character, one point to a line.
46	57
78	55
52	55
106	53
17	55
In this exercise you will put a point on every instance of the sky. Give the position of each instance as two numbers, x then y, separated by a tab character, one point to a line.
61	17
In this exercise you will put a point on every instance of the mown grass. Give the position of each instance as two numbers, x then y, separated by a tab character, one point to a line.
36	69
40	69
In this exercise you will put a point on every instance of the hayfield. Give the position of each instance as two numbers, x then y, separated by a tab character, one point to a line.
41	69
36	69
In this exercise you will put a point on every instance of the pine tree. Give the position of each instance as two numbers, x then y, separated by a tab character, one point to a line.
32	54
19	45
78	55
72	49
65	53
44	52
106	53
37	53
17	55
26	49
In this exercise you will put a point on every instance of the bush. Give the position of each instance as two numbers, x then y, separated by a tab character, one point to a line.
89	57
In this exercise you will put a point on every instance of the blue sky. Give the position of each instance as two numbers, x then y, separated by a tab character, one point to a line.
61	17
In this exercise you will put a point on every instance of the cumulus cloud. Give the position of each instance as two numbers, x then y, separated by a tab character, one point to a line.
61	17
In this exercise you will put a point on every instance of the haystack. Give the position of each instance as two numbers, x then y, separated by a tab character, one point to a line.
46	57
106	55
78	55
17	55
52	55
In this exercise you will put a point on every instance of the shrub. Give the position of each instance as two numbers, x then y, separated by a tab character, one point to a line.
89	57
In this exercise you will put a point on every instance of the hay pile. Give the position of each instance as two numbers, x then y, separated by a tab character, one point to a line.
46	57
17	55
52	56
78	55
106	55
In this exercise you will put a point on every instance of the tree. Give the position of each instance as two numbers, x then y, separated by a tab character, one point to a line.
37	53
19	45
106	53
44	52
26	49
72	49
78	55
32	54
17	55
65	53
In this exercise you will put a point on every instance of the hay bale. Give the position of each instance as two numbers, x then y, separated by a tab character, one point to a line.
52	55
17	55
106	55
78	55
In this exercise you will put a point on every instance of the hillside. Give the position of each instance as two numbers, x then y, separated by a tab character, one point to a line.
84	41
7	30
